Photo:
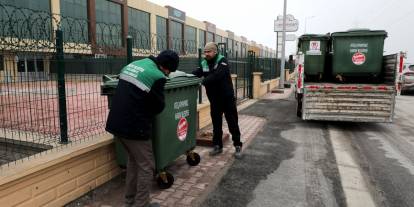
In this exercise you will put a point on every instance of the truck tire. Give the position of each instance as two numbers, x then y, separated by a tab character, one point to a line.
299	106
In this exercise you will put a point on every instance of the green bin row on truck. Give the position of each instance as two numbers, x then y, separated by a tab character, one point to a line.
345	77
344	57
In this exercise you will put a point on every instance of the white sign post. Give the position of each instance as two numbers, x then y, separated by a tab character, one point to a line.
285	23
292	24
289	37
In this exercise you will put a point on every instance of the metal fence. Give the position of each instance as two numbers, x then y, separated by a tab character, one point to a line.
51	71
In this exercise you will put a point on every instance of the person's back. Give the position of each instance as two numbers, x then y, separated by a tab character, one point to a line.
134	104
138	98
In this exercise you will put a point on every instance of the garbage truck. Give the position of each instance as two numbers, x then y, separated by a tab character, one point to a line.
346	77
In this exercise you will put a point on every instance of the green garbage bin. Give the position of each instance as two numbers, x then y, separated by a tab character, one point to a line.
357	54
174	129
315	48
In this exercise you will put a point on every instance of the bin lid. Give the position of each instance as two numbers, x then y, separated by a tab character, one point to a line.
179	79
314	37
360	32
174	80
109	81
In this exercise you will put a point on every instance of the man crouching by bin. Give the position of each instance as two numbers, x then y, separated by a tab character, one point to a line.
219	88
138	98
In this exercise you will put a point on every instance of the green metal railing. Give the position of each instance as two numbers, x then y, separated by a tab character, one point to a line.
52	72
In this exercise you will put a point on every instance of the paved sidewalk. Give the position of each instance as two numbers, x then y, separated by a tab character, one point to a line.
191	184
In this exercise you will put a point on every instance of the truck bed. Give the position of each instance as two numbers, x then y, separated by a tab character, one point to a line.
352	102
348	102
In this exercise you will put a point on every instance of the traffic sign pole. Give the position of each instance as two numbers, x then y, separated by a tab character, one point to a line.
282	65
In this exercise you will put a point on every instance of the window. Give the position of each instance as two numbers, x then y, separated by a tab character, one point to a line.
21	66
38	5
236	49
161	33
230	51
30	64
218	39
243	53
1	63
108	23
201	38
74	20
191	40
26	19
39	65
176	36
139	28
210	37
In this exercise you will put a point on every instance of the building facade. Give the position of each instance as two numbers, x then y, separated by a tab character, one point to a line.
102	26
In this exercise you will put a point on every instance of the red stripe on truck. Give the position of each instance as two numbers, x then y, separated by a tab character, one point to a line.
347	87
300	76
329	87
367	88
384	88
312	87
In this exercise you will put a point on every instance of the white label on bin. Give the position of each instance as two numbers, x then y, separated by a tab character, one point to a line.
180	104
358	58
181	114
182	129
315	45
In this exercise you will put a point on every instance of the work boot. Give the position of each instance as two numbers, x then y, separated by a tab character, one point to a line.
217	150
237	153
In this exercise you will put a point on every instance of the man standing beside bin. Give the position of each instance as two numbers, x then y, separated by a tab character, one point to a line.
138	98
219	88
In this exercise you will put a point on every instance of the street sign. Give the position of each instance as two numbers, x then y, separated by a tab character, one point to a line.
292	24
289	37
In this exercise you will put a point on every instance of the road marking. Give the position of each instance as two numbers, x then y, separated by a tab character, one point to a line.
356	191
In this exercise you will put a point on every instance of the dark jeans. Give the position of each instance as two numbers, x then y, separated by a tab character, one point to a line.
228	107
140	168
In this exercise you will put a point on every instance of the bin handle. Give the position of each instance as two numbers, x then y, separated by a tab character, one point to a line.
109	77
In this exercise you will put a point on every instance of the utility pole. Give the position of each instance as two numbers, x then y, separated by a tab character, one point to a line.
277	49
282	68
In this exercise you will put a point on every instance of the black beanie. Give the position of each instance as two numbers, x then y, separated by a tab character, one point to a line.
168	59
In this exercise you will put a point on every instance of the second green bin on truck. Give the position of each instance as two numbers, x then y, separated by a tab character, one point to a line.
174	129
357	54
314	47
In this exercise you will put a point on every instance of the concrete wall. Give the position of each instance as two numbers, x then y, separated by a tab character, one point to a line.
203	111
268	86
57	178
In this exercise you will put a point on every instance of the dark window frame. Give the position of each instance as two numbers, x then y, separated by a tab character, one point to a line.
1	63
141	35
77	24
104	23
191	43
162	39
201	38
176	36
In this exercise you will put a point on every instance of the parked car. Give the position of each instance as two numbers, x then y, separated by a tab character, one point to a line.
407	85
411	68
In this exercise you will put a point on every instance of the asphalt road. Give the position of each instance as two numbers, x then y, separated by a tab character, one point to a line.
386	153
289	163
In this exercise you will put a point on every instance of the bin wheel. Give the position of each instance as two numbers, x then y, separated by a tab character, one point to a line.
193	158
165	180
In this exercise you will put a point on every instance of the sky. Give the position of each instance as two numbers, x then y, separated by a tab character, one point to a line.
254	19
